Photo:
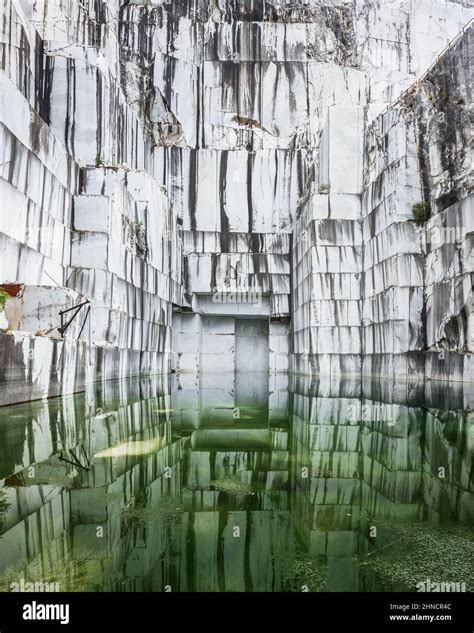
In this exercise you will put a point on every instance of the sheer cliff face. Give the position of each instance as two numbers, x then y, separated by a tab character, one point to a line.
156	153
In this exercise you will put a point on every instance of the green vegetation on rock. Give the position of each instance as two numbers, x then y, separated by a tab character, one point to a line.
4	296
421	212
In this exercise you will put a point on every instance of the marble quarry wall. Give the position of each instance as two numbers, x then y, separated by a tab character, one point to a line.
378	289
417	274
165	164
83	223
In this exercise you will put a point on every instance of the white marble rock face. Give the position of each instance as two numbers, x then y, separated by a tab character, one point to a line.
156	154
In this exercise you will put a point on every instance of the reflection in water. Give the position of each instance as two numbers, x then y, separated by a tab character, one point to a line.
239	483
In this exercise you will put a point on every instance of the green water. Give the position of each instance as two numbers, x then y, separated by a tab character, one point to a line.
238	484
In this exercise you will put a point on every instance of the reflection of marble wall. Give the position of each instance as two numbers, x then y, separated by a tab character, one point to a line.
371	451
55	505
130	437
448	494
249	455
329	447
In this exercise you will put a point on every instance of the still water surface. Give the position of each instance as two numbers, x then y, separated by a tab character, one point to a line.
239	483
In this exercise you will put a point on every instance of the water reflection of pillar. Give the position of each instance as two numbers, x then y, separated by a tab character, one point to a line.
326	438
447	467
392	454
392	458
235	483
300	467
335	488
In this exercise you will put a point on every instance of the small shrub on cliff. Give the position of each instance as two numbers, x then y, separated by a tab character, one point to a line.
324	189
421	212
4	296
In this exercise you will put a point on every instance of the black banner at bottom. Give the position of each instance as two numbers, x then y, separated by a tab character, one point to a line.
235	613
